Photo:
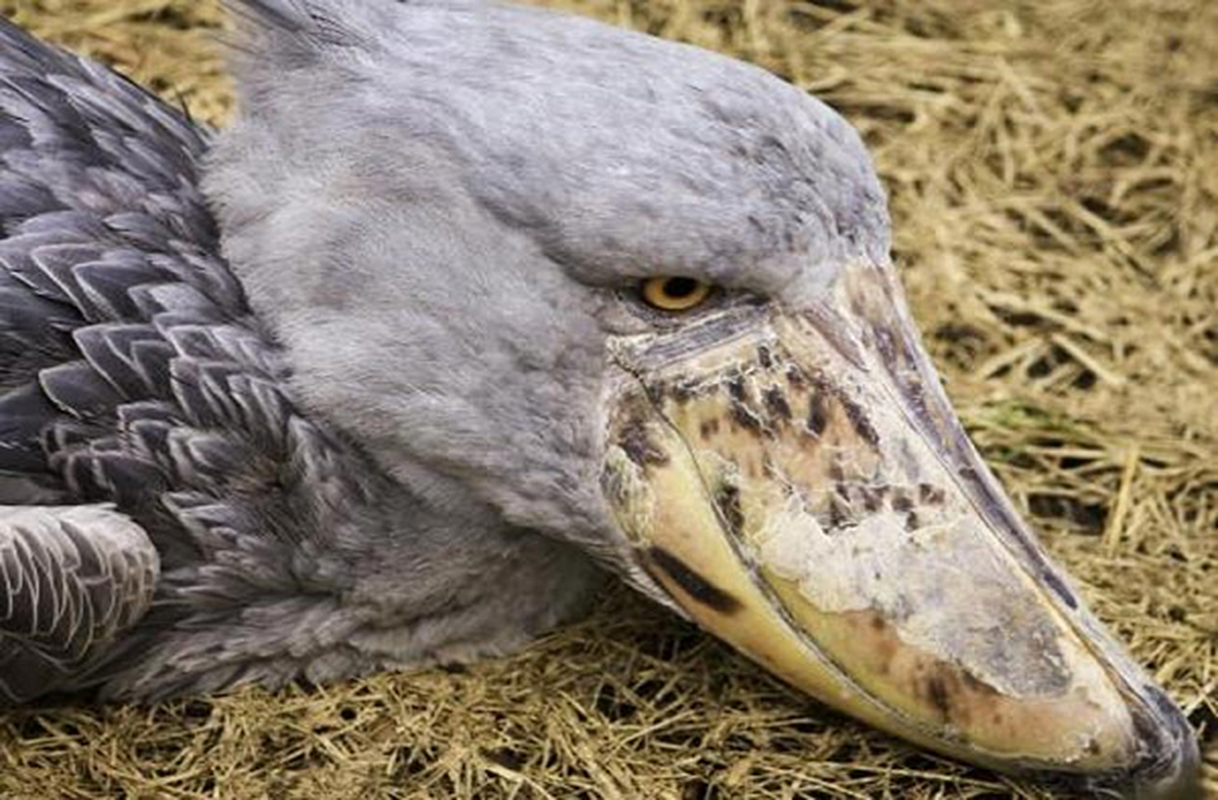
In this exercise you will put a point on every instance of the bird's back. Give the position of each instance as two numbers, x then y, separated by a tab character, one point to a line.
99	209
154	477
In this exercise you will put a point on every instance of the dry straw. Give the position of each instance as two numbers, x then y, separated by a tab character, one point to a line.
1053	168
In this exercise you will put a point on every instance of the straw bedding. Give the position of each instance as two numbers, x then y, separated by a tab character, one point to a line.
1053	168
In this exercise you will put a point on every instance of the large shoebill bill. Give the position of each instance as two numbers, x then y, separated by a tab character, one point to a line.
499	300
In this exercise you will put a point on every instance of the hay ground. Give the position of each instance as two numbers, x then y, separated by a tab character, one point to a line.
1053	168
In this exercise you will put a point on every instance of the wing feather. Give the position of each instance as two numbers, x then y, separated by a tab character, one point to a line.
74	578
134	380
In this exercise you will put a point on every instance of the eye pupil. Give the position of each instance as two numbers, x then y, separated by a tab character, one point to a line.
680	288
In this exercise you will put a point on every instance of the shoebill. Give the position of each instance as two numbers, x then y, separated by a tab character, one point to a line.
471	306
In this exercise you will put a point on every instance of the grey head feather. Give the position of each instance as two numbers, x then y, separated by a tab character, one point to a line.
461	189
298	31
639	152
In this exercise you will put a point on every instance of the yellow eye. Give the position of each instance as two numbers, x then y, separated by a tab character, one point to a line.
675	293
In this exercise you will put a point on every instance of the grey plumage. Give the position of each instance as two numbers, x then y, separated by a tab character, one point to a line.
134	374
73	577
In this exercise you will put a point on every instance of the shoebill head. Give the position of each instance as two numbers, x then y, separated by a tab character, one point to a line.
639	297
